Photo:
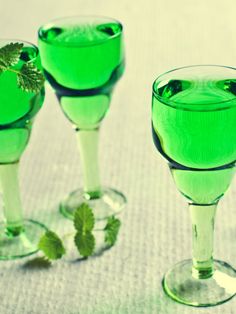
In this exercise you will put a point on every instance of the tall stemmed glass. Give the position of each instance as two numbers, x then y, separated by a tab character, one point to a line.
18	237
83	58
194	128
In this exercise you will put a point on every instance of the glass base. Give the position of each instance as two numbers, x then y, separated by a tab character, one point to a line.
181	286
24	243
109	202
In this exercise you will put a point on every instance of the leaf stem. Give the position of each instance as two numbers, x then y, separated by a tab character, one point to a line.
11	70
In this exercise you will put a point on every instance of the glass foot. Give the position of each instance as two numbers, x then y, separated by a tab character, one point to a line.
109	202
24	243
181	286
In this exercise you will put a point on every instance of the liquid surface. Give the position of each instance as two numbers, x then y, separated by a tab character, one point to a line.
17	109
81	56
195	130
82	62
84	34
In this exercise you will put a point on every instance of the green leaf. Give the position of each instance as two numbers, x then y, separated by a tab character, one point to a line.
9	55
51	245
84	219
111	230
30	78
85	243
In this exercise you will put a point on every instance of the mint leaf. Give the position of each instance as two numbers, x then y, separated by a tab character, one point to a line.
51	245
9	55
84	219
85	243
30	78
111	230
84	224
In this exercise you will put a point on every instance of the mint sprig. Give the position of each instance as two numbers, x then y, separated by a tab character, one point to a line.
111	230
85	243
84	224
29	77
84	219
51	245
10	55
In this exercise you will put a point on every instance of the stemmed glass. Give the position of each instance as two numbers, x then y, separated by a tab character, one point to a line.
18	237
83	58
194	128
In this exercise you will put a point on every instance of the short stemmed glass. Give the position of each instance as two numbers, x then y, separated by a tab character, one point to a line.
194	128
18	237
83	58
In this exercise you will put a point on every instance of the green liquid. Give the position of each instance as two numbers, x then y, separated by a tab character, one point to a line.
197	135
17	109
82	63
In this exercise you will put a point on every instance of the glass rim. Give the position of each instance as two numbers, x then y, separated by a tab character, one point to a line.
179	103
14	40
98	42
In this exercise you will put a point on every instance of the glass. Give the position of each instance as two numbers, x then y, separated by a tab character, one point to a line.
18	237
83	58
194	128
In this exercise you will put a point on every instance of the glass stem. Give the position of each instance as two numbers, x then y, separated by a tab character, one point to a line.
203	217
12	207
88	147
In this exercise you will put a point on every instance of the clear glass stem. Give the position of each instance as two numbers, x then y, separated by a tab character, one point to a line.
11	198
88	147
203	217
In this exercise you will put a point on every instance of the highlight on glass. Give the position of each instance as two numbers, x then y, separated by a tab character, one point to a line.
193	124
83	58
21	97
